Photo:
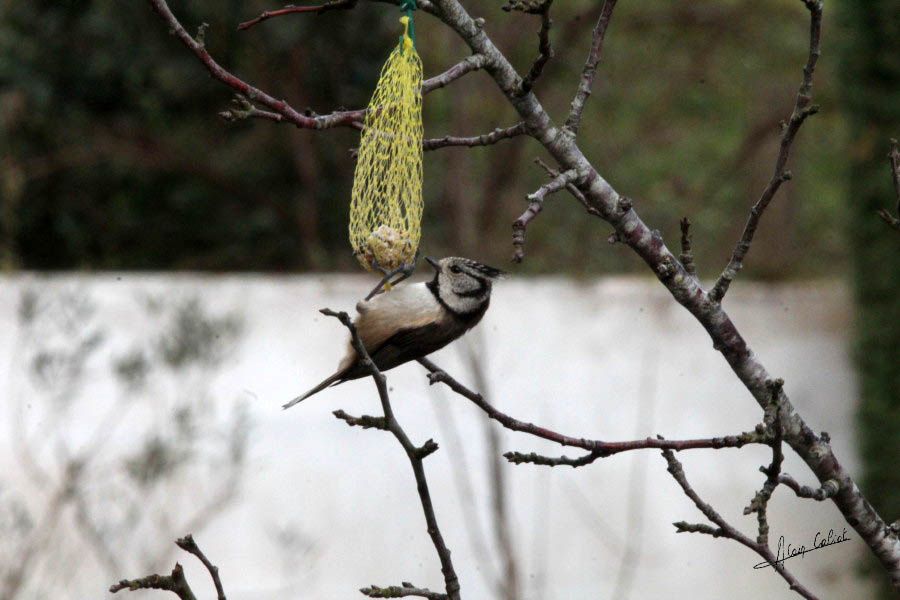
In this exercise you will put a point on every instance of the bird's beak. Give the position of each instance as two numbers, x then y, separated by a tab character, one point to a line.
433	262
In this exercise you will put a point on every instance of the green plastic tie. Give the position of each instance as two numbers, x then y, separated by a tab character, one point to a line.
409	6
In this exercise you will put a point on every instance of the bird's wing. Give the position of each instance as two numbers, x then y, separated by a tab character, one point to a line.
407	307
409	344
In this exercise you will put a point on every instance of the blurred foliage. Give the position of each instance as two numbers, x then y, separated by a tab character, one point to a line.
152	452
114	158
871	78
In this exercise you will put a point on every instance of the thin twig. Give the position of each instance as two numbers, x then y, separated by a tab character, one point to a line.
600	448
364	421
760	502
352	118
289	10
573	121
724	528
244	109
824	492
535	206
518	458
570	187
174	582
188	544
687	255
463	67
414	453
405	590
803	108
486	139
545	49
509	588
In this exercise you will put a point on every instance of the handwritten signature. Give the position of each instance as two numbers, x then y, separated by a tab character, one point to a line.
786	551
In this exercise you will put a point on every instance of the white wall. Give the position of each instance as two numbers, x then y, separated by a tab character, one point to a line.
609	358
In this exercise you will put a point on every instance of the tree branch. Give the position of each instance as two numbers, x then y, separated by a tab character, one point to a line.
288	10
352	118
826	491
414	453
405	590
630	229
545	49
535	206
760	502
174	582
188	544
460	69
687	255
573	122
598	448
486	139
803	108
724	529
570	187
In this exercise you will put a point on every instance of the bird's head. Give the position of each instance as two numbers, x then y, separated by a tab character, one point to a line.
462	284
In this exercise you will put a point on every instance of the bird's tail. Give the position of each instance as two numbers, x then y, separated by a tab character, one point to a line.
334	379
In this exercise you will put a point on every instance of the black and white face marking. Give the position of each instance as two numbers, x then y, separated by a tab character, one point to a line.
461	284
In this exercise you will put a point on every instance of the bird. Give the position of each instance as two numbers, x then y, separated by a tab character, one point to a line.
413	320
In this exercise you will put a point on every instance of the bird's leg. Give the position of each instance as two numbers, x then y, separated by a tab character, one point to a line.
405	272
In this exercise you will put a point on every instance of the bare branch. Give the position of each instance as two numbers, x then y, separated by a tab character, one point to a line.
573	122
535	206
600	448
244	109
174	582
486	139
518	458
365	421
288	10
188	544
570	187
894	157
405	590
687	255
351	118
803	108
759	503
464	67
726	530
414	453
826	491
545	48
631	230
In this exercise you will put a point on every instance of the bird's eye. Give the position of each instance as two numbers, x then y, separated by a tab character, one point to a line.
455	269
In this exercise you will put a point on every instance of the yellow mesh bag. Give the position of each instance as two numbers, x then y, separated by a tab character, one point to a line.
386	202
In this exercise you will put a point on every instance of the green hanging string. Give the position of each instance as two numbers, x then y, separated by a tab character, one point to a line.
409	6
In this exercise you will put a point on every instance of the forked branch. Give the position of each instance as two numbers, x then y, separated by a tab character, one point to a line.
175	582
535	206
352	118
724	529
596	448
416	454
803	108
